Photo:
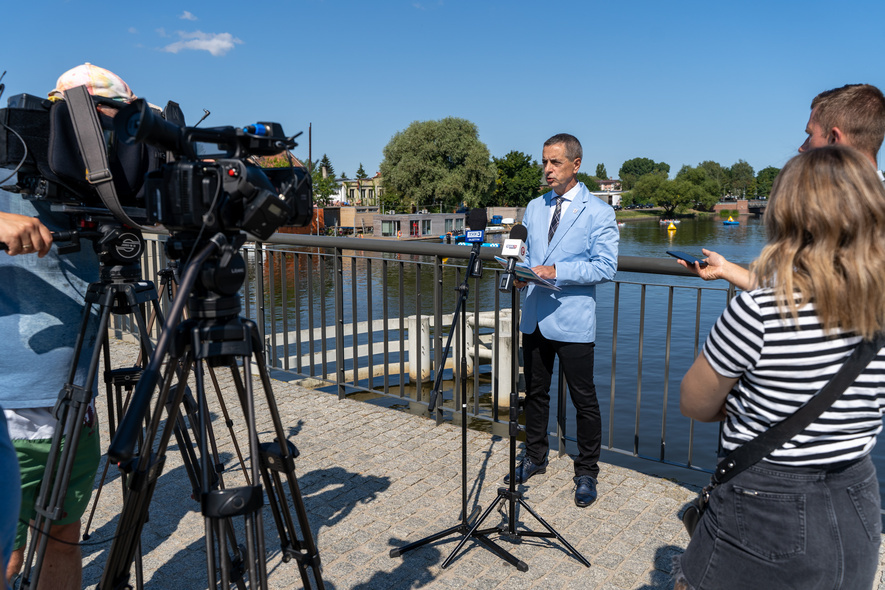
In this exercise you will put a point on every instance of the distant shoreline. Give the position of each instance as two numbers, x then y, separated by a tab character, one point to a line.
643	215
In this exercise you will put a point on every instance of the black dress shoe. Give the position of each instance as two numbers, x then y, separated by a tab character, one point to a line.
585	490
526	469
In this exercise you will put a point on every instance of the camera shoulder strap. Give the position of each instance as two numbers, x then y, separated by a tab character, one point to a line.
753	451
93	148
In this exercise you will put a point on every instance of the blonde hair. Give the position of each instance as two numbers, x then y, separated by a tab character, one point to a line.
825	222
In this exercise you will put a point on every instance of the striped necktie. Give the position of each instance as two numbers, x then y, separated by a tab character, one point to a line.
554	223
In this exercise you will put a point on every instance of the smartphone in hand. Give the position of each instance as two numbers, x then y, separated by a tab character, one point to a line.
686	257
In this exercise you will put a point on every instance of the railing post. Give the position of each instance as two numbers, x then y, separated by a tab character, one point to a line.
611	395
639	370
355	321
667	341
271	356
339	320
438	361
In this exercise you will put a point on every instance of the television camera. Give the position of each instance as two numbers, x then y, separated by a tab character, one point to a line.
158	173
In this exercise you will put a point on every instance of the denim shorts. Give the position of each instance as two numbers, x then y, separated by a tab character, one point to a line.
788	527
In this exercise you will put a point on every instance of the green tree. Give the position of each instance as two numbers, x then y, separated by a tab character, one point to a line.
708	191
601	174
439	161
360	177
741	180
390	200
670	195
325	163
689	195
716	173
518	179
589	181
764	180
632	170
324	186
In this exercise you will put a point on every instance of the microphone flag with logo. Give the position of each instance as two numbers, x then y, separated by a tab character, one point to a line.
514	250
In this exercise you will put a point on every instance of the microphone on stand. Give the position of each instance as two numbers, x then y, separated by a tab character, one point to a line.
477	220
514	251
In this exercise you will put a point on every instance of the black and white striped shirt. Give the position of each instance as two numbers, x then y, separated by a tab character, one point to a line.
780	368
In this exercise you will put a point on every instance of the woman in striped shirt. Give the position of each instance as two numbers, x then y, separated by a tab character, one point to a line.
808	515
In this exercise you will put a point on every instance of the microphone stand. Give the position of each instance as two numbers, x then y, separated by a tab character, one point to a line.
474	270
510	494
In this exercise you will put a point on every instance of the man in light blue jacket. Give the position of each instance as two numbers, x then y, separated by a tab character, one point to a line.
572	242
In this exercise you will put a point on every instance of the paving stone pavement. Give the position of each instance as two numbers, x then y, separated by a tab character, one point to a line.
375	479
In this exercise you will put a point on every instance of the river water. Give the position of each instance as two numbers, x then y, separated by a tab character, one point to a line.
647	388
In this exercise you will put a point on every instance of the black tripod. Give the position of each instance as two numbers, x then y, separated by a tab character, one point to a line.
119	291
216	336
465	528
510	494
125	380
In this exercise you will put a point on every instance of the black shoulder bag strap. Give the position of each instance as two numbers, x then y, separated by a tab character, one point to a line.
753	451
93	148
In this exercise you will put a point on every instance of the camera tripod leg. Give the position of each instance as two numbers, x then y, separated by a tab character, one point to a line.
140	477
278	463
220	505
72	406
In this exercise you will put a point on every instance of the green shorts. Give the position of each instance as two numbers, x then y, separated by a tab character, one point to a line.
32	458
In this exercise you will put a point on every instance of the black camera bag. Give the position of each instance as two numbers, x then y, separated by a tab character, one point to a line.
53	151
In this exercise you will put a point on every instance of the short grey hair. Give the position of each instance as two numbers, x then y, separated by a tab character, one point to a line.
573	149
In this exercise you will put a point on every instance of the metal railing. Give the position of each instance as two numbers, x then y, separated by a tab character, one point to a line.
369	318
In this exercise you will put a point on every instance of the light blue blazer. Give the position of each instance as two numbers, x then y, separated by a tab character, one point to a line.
585	252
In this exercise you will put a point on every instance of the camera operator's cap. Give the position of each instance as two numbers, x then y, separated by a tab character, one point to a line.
99	82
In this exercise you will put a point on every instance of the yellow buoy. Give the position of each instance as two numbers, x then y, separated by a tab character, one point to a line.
671	227
730	218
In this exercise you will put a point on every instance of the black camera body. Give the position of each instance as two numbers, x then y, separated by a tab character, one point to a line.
218	191
217	195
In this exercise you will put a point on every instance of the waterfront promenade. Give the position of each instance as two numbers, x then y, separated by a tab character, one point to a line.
374	479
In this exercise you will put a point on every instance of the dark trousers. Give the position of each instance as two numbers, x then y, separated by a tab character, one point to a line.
576	359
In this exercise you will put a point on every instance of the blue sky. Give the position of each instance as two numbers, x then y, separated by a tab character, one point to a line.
678	81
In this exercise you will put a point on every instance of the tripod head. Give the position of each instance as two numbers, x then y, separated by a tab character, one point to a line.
220	277
210	281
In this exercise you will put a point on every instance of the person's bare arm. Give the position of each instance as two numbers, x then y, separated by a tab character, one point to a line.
703	392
